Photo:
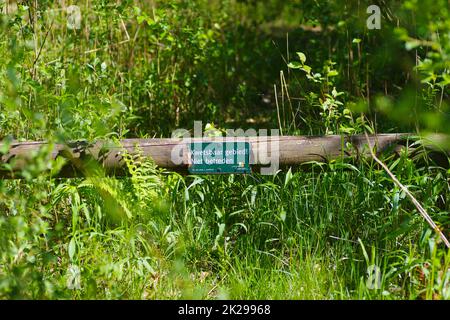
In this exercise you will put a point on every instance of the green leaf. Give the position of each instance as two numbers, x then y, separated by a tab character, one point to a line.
5	145
332	73
140	19
288	177
148	266
366	256
294	65
301	56
334	92
409	45
347	130
306	68
219	235
72	248
282	214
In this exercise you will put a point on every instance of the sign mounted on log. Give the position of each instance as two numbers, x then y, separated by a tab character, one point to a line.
219	157
291	151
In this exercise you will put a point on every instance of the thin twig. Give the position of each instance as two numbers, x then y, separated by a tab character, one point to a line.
278	109
416	203
42	45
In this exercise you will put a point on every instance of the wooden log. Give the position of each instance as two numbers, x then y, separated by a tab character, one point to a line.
82	158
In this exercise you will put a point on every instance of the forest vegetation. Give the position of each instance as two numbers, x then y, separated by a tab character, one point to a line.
109	70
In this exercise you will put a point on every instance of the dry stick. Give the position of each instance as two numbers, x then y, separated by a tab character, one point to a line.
419	207
278	108
42	45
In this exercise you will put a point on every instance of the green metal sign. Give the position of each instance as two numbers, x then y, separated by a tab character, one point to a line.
219	157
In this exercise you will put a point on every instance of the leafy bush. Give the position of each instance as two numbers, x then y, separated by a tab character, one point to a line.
144	68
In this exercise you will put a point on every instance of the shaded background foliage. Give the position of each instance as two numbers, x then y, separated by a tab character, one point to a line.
145	68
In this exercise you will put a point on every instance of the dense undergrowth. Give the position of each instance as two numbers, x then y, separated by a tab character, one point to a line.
339	230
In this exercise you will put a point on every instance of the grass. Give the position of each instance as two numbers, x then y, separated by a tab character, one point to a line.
340	230
311	234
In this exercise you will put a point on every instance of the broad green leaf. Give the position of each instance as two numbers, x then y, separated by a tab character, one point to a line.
282	215
306	68
72	248
301	56
294	65
409	45
332	73
5	145
288	177
334	92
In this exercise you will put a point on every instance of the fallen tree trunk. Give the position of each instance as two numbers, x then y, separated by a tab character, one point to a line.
81	157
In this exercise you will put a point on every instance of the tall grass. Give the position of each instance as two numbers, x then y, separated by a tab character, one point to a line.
340	230
311	234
